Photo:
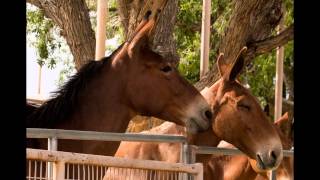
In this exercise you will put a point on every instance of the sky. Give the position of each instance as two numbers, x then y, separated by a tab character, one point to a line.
49	77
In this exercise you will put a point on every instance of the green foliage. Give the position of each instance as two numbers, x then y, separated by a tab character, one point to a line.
289	12
187	34
189	64
67	70
41	28
52	49
261	75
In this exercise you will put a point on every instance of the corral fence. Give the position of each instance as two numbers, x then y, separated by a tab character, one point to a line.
55	165
67	166
52	164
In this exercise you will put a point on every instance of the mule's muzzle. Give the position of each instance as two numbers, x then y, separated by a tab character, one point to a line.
200	123
208	115
269	160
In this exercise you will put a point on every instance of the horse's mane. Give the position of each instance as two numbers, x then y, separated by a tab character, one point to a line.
66	99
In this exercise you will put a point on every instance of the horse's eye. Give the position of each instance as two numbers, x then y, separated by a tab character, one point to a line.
244	106
166	69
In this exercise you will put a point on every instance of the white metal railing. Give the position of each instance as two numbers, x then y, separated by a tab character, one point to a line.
101	136
55	134
60	159
188	152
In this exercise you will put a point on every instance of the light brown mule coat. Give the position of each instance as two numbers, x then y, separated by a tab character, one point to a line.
238	167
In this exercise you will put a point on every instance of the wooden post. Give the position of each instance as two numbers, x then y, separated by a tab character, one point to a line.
102	6
58	170
39	80
52	146
279	77
205	37
199	176
279	83
273	175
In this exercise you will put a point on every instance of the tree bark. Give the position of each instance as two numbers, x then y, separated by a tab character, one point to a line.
251	21
288	80
131	13
72	17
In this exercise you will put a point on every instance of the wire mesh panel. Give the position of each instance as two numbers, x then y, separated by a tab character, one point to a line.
143	174
84	171
37	170
95	172
76	166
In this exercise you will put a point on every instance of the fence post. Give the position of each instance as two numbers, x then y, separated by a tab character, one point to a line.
205	37
184	158
58	170
102	12
273	175
193	153
199	176
52	146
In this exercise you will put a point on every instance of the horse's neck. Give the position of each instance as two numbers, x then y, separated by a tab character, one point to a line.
207	138
231	167
103	105
167	128
238	167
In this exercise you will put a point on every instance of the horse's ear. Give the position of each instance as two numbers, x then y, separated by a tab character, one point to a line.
236	67
142	23
221	67
283	124
140	38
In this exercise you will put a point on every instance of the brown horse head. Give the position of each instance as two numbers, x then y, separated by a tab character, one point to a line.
239	118
154	86
284	128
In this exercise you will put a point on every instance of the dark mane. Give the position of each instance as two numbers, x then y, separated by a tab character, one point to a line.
66	99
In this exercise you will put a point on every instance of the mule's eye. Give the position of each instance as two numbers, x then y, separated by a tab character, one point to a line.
166	69
244	106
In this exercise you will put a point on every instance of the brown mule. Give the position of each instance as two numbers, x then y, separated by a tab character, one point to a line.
238	119
104	95
239	167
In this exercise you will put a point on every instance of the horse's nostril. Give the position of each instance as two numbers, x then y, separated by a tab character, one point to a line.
273	155
259	158
208	114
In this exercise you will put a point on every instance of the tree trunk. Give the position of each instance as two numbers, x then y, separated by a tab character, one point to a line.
288	80
251	21
72	17
131	13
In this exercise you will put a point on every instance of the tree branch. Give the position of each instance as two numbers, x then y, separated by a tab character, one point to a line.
268	44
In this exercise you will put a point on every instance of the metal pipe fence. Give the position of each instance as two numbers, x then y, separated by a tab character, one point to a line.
67	165
187	155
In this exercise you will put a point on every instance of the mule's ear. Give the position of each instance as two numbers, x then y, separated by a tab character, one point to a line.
140	39
237	66
142	23
283	124
221	67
